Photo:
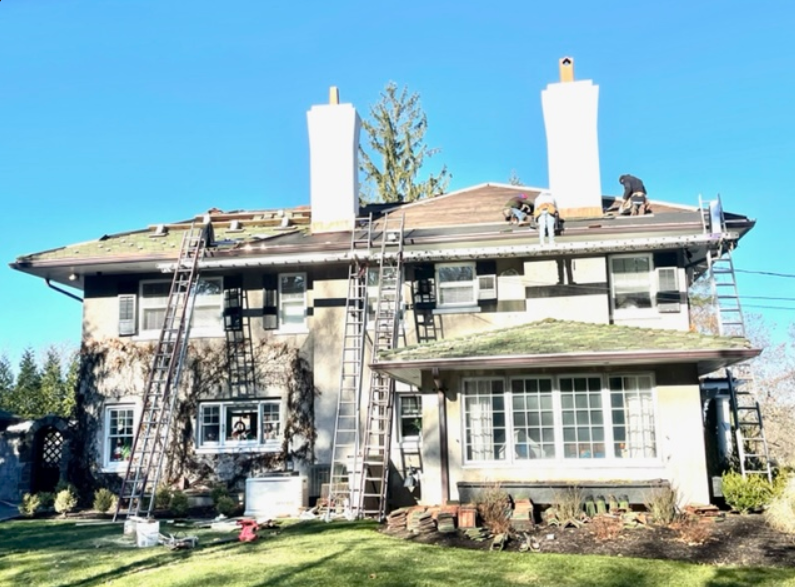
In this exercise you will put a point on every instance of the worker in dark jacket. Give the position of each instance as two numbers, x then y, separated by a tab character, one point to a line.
517	208
635	201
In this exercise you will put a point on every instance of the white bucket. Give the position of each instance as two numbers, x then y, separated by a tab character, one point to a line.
147	533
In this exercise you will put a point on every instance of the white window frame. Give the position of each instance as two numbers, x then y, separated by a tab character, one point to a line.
648	456
652	287
292	300
263	440
441	286
108	464
402	402
210	303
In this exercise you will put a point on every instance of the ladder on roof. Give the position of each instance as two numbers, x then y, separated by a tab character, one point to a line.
239	346
749	431
151	437
346	426
373	459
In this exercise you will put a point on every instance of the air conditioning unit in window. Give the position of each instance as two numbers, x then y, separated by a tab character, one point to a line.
668	297
126	314
487	287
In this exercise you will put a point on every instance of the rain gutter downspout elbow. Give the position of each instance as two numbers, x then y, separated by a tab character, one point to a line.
63	291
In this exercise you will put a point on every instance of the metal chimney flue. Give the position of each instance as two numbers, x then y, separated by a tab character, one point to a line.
566	65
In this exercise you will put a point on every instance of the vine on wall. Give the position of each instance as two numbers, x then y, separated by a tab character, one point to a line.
113	369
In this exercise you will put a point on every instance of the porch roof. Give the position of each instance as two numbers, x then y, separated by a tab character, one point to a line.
563	343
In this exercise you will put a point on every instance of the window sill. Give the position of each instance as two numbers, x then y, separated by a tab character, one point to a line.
474	309
569	463
194	333
287	331
115	468
260	449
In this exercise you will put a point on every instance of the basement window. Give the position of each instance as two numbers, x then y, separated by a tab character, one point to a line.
251	426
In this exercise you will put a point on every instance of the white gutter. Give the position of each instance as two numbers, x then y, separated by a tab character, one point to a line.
527	250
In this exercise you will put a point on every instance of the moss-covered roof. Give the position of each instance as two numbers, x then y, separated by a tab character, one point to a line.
552	337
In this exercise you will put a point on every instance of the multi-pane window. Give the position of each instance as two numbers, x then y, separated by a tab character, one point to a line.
292	301
533	419
229	425
457	284
484	419
633	417
631	281
207	308
409	416
582	417
119	421
563	418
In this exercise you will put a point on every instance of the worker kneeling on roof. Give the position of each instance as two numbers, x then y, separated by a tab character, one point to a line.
635	201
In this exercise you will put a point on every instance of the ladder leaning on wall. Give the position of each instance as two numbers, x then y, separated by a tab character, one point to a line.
151	437
373	458
749	431
346	426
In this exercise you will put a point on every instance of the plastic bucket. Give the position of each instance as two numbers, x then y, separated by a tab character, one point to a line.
147	533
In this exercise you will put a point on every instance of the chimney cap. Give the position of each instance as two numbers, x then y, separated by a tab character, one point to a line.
566	65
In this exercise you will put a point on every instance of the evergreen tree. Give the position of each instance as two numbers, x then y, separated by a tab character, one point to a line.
396	135
6	383
68	397
26	392
51	389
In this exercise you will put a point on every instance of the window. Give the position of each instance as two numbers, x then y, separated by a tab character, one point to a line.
119	433
533	419
564	419
631	282
292	301
484	420
207	308
633	417
457	284
253	425
410	417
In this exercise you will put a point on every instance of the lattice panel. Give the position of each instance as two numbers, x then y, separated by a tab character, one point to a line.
52	448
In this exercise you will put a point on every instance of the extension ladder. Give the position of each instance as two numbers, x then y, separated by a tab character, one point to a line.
151	437
239	345
749	431
346	427
373	458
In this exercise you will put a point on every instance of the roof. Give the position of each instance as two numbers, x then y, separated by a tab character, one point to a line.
469	217
553	343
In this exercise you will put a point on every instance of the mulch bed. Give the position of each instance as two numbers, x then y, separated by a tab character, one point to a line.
744	540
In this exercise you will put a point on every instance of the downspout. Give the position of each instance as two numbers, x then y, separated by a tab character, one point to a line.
63	291
445	457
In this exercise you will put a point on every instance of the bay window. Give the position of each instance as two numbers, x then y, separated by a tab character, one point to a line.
564	418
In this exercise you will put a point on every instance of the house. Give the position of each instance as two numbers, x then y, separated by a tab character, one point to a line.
528	365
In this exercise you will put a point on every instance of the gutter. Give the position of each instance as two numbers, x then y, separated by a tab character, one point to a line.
63	291
527	250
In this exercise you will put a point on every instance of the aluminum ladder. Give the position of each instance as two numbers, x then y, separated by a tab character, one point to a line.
151	438
346	426
749	432
373	459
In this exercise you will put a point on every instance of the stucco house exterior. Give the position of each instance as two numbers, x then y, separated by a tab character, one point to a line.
520	363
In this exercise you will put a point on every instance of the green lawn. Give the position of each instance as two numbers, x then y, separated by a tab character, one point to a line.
42	553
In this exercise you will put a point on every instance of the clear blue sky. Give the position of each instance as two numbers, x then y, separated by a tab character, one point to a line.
117	115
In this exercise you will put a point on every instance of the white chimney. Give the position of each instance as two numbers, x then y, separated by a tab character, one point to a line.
570	117
333	164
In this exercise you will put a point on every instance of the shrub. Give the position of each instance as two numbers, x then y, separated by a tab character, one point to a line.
218	492
65	502
746	494
104	499
780	512
494	507
607	527
163	498
62	484
30	505
178	504
692	531
46	499
568	503
226	506
662	504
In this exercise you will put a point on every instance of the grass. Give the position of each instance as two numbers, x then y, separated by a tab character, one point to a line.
49	553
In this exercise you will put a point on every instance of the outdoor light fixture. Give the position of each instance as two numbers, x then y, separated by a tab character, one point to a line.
73	277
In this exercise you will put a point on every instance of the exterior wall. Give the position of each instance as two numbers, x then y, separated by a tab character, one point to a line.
14	469
680	445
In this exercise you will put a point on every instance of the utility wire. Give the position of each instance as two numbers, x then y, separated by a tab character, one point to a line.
790	275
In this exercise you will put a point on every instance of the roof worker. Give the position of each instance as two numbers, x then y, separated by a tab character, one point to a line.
546	210
634	199
516	209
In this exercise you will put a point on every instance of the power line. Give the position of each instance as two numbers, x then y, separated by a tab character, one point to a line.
767	307
790	275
